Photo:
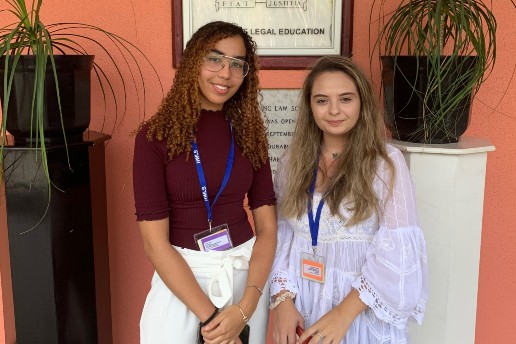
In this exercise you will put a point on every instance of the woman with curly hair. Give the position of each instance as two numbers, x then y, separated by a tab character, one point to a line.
195	161
351	263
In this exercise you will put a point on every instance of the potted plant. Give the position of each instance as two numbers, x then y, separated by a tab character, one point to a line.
45	77
435	55
59	264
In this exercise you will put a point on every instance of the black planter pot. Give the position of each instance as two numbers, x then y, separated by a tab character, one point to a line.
408	116
59	268
73	74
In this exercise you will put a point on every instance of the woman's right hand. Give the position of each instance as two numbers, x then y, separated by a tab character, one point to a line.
286	319
225	328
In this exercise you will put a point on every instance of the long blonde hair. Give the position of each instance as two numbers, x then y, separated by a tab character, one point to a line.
355	170
179	112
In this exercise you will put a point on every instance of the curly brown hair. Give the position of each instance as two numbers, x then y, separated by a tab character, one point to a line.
177	117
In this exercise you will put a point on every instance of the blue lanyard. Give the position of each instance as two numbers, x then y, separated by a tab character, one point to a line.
314	223
202	179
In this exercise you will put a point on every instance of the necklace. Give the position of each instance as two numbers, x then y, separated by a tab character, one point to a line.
333	155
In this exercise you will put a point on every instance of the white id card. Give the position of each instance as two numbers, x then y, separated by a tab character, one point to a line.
313	267
214	239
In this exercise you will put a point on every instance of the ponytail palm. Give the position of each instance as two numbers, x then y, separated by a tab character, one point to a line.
441	31
26	34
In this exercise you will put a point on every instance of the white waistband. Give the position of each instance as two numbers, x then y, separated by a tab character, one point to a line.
218	267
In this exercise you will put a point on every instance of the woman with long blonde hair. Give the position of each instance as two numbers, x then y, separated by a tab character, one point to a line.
194	162
350	264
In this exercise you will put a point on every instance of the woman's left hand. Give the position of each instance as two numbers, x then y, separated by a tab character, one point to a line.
225	328
334	325
331	328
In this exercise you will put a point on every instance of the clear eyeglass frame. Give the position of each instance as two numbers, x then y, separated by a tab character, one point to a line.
214	62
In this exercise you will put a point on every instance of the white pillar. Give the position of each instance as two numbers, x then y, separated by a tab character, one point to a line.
449	181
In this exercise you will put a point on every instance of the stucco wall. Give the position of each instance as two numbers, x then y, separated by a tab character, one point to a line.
148	24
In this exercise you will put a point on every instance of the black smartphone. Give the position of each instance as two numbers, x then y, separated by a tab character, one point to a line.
244	335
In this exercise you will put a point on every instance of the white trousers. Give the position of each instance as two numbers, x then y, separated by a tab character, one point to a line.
222	276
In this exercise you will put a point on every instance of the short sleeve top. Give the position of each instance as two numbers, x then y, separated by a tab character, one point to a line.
170	188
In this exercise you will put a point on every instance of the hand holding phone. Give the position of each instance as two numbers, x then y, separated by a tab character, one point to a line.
299	332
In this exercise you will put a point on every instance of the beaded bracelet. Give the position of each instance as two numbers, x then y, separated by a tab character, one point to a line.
282	298
255	287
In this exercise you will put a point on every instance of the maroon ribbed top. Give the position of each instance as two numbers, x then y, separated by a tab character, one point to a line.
170	188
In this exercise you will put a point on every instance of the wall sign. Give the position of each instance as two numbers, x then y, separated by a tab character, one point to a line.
290	34
279	108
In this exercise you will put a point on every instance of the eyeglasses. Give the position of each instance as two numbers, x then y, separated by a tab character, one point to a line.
215	62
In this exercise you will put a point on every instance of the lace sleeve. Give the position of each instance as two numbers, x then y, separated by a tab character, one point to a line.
279	278
394	280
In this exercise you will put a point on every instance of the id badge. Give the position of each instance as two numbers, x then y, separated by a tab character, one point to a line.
313	267
214	239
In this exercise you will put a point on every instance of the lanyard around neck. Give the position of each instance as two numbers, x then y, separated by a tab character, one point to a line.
202	179
314	223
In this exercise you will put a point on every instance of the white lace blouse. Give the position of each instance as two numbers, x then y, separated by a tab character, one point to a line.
383	257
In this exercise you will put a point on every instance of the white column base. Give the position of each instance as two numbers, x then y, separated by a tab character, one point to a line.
449	181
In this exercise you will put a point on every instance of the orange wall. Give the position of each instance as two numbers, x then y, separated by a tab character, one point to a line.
148	24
